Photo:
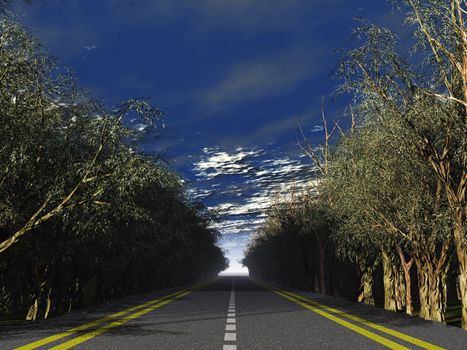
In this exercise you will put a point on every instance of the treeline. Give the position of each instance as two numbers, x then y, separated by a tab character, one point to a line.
390	204
85	215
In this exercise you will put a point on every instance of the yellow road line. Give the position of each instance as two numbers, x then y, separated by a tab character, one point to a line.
85	326
81	339
366	333
402	336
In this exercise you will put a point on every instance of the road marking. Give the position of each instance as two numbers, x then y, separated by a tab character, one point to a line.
85	337
229	347
230	337
230	334
299	300
85	326
373	336
402	336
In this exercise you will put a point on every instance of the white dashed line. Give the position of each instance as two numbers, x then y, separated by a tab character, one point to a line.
230	336
229	347
230	327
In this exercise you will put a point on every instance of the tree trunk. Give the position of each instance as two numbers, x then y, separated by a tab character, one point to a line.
322	272
41	297
48	304
366	281
366	285
41	306
444	283
461	250
431	293
408	290
436	297
399	287
462	257
389	283
407	266
422	291
316	283
32	312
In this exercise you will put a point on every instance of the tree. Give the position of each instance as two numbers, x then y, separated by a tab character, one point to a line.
380	184
428	94
85	215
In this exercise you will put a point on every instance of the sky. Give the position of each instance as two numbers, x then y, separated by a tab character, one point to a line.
235	78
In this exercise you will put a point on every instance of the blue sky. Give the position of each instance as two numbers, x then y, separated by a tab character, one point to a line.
234	77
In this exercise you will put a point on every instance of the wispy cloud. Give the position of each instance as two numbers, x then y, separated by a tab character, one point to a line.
216	163
279	69
243	183
244	15
262	77
317	128
269	132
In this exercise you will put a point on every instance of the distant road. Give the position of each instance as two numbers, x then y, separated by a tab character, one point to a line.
232	313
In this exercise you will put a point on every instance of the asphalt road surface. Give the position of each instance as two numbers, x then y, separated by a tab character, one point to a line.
232	313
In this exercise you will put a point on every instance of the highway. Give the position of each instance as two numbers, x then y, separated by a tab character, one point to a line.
229	313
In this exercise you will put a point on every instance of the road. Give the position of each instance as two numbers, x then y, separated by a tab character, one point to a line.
229	313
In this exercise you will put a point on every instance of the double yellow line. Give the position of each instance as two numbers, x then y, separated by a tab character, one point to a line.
131	315
331	315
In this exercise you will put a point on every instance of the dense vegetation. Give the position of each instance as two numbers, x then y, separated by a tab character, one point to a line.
391	195
85	215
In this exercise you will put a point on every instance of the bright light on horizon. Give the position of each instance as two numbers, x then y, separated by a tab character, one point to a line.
229	272
234	250
235	266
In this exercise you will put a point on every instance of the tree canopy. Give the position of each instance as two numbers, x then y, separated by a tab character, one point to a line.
395	184
85	214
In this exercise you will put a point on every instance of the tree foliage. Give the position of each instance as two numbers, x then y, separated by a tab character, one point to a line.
396	184
85	215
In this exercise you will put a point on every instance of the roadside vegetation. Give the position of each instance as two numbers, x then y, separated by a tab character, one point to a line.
386	222
85	215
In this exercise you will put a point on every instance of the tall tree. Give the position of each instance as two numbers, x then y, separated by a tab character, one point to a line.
427	94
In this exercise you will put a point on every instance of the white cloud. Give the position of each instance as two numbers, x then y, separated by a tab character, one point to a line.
257	182
140	126
216	163
241	184
317	128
